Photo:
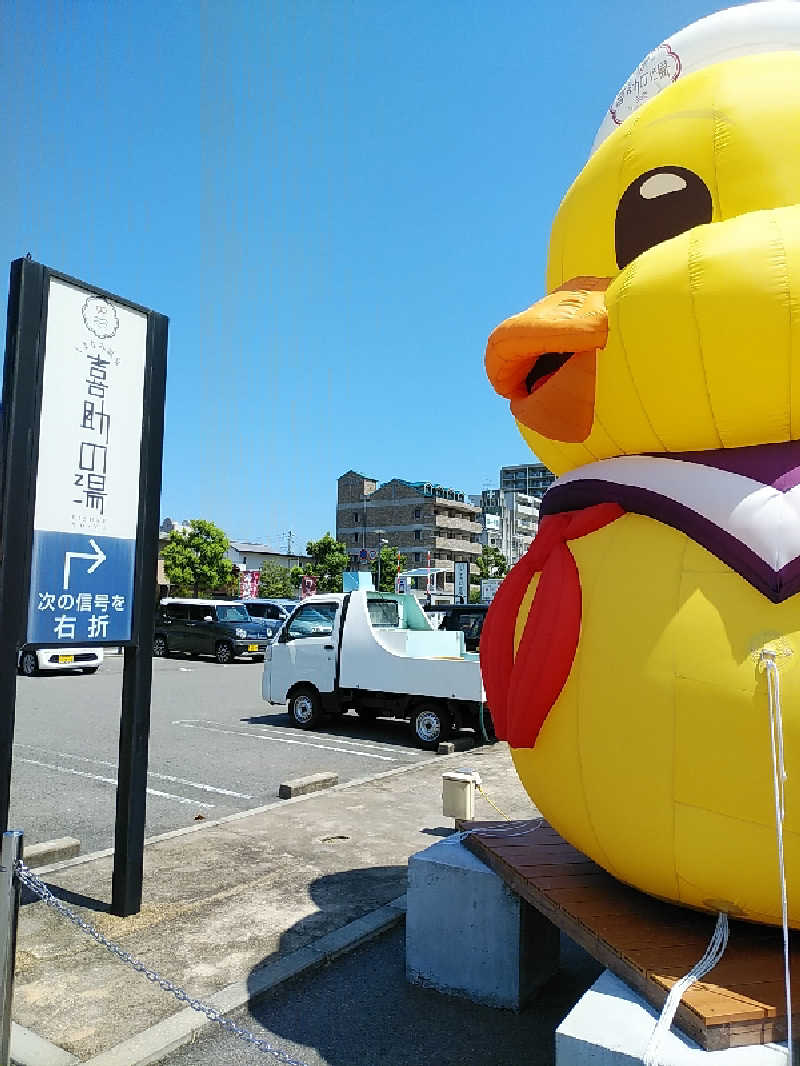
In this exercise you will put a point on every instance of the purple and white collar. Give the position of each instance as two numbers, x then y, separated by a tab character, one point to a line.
741	504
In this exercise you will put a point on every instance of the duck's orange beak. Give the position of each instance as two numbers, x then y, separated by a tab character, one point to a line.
544	360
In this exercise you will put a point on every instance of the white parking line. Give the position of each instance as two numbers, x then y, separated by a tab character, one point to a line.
192	724
113	781
150	773
344	740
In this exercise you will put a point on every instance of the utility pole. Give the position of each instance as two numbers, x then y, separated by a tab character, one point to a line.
289	539
380	542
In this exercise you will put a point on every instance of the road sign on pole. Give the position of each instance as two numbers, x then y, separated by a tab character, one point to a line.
83	420
461	583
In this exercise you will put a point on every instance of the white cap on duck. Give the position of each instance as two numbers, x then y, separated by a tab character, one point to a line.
765	26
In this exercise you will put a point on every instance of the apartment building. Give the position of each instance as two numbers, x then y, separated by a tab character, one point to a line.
531	479
416	517
510	520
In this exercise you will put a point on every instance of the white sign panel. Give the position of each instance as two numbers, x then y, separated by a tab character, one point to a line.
87	484
461	589
489	587
91	424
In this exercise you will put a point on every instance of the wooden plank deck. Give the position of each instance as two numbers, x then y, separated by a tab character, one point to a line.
649	944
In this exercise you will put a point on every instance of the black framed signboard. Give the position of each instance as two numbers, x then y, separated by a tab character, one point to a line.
82	433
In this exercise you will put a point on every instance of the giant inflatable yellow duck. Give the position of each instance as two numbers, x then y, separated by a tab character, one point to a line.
624	657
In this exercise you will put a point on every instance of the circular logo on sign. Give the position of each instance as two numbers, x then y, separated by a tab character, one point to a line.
363	553
372	554
658	69
100	317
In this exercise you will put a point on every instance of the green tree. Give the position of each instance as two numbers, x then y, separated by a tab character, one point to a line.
194	559
329	560
391	563
275	582
491	562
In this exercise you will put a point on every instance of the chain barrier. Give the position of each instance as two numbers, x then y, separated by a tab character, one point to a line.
40	889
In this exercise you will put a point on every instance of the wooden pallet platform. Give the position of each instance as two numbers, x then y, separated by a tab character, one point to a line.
647	943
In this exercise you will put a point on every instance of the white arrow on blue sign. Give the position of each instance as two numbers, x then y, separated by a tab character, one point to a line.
87	479
97	558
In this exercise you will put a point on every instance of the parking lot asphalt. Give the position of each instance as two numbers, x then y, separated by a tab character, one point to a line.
216	748
234	908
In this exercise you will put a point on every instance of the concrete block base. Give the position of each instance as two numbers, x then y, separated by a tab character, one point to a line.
611	1025
50	851
469	935
301	786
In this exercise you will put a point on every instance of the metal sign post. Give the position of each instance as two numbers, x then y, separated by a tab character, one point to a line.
9	910
461	583
83	415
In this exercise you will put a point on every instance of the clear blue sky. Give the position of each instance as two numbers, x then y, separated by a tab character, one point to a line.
334	203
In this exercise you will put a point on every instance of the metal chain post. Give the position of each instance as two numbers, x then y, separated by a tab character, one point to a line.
10	854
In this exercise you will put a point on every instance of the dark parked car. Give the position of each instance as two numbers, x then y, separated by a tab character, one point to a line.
468	617
271	614
221	628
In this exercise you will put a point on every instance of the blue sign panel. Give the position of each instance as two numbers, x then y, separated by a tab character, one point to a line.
81	588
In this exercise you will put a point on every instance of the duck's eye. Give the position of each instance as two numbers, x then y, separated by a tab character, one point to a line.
660	204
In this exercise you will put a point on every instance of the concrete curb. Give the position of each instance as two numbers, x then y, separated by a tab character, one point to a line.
153	1044
28	1049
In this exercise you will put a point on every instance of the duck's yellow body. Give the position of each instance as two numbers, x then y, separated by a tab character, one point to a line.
655	760
671	326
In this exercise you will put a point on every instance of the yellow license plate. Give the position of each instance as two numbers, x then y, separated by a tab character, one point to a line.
252	647
66	659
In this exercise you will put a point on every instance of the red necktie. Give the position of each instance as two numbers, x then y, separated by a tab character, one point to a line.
521	689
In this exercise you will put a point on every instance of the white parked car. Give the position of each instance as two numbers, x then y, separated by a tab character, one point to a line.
35	660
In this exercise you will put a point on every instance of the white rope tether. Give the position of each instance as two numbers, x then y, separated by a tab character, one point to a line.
768	659
713	954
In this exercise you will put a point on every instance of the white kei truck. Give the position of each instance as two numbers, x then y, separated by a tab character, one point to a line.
377	653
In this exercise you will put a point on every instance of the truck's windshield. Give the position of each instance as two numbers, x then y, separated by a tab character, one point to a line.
313	621
384	614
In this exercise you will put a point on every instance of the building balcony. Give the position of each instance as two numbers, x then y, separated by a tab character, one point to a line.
463	547
461	525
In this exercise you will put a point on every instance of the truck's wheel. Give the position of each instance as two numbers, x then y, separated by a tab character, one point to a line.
305	707
431	725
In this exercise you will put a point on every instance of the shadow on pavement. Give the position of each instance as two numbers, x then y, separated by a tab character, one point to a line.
360	1011
340	898
393	731
73	899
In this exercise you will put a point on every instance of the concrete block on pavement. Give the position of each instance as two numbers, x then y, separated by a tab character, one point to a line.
51	851
611	1025
301	786
469	935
